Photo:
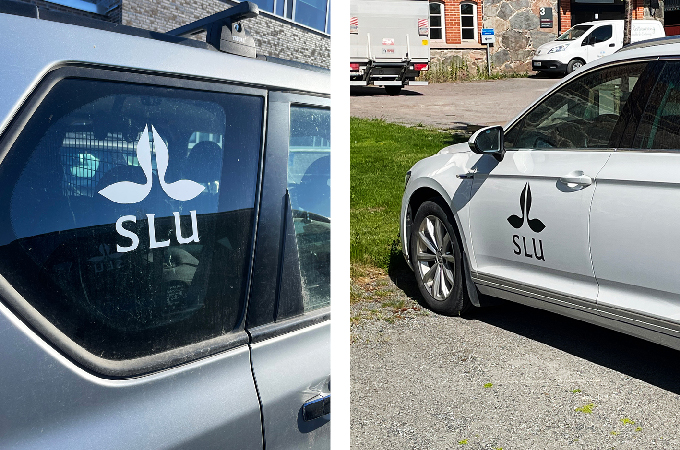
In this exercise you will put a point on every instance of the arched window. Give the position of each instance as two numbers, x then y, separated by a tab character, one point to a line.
437	31
468	21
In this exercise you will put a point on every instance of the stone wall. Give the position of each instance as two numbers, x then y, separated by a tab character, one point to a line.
518	32
274	36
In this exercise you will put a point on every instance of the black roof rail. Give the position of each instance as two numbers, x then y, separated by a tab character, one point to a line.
224	30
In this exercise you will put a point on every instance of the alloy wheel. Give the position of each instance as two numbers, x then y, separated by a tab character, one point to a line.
435	259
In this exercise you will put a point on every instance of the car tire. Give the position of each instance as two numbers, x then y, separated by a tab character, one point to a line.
574	64
437	260
393	90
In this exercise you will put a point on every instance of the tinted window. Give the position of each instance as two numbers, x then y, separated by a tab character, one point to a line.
574	32
602	34
130	213
581	114
660	124
309	185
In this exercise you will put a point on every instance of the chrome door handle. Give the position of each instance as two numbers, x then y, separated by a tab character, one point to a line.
577	177
316	407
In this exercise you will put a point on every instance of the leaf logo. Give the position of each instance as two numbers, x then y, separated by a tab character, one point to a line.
525	205
129	192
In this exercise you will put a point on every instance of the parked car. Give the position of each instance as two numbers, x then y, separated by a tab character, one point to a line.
589	41
164	241
571	207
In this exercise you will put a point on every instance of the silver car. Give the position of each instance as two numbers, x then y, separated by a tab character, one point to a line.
164	240
572	207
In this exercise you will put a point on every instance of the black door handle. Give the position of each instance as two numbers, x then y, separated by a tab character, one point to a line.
612	44
316	407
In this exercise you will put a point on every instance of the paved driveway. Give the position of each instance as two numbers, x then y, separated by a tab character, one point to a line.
451	105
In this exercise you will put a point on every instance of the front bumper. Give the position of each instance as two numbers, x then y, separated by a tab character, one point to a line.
547	65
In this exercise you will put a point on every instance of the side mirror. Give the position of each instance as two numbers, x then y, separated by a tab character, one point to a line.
488	140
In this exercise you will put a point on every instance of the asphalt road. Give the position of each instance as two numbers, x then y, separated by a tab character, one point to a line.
450	105
504	376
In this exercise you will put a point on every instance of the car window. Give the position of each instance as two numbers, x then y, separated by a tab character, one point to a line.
602	34
309	186
131	212
581	114
660	122
574	32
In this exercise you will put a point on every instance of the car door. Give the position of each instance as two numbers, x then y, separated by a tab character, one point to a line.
529	212
289	310
128	217
634	220
601	42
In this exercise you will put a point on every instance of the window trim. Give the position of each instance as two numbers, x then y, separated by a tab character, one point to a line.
129	368
474	18
442	14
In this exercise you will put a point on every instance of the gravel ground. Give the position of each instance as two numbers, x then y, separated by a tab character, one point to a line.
504	376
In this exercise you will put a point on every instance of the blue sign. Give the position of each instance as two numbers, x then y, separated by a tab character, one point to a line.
488	36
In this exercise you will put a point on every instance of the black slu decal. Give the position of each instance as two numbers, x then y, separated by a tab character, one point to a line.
525	199
536	226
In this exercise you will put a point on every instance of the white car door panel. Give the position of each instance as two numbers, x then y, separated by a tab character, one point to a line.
529	226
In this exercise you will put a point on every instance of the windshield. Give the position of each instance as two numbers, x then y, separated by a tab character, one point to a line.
574	32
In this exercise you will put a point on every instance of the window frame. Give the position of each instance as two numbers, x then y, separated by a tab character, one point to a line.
54	336
274	306
474	19
442	14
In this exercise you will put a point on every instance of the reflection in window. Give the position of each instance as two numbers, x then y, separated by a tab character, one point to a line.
309	179
130	275
660	124
581	114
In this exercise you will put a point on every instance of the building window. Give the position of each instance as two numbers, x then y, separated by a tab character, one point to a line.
468	21
437	21
313	13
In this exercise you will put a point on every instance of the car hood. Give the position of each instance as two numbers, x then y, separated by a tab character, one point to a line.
455	148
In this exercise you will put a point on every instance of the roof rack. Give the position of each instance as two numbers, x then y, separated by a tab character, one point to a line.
224	30
651	42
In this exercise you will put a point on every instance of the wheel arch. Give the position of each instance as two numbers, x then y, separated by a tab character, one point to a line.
417	198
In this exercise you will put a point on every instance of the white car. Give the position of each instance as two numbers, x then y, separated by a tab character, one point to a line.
589	41
573	207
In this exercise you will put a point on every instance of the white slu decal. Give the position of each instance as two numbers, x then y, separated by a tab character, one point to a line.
129	192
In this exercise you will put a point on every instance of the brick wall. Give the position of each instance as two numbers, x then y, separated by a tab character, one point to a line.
274	36
452	23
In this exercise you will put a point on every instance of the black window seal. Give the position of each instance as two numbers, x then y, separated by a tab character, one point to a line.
289	325
135	367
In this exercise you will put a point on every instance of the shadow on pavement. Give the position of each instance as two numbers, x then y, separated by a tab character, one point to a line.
359	91
637	358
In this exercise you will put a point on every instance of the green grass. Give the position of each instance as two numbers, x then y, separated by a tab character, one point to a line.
586	409
381	154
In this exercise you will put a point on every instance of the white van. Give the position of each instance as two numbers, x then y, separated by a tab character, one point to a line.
589	41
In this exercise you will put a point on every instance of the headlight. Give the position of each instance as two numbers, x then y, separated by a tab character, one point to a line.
406	178
559	48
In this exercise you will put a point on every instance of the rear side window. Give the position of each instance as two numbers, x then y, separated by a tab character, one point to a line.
130	213
309	185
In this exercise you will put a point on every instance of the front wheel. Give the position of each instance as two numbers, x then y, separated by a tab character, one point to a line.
437	261
574	64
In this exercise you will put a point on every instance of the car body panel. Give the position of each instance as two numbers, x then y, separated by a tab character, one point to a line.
290	370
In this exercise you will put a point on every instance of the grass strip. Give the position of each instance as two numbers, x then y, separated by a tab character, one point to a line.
381	154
